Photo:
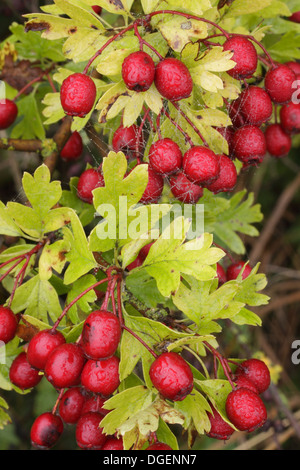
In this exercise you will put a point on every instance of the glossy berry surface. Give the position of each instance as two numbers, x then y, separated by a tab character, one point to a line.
41	346
138	70
89	434
279	84
184	190
73	148
46	430
22	374
124	139
64	365
227	177
279	143
8	324
101	335
71	404
8	113
295	66
101	376
159	446
245	410
219	429
173	79
154	187
113	443
290	118
201	165
235	268
249	144
97	9
256	371
244	54
78	94
94	403
256	105
241	381
172	376
89	180
165	157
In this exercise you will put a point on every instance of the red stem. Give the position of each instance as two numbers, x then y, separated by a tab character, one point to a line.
186	136
139	135
223	362
176	105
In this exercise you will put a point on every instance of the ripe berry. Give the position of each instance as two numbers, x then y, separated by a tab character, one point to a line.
290	118
71	404
227	177
113	443
172	376
165	157
201	165
246	410
256	371
46	430
101	335
184	190
154	187
78	94
8	324
235	268
241	381
159	446
101	376
295	17
73	148
219	428
89	180
97	9
279	84
41	346
173	79
64	365
138	70
279	143
227	133
256	105
221	274
249	144
94	403
89	434
124	139
244	54
22	374
235	114
8	113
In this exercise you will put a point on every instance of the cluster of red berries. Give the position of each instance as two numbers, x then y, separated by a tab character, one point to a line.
233	271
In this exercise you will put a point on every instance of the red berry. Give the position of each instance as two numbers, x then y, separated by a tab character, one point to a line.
227	133
41	346
290	118
97	9
219	429
235	268
165	157
246	410
101	376
201	165
241	381
46	430
279	84
235	113
227	178
71	404
78	94
8	113
124	139
22	374
256	371
279	143
138	70
94	403
221	274
184	190
256	105
8	324
64	365
89	434
295	17
113	443
173	79
172	376
154	187
89	180
73	148
101	335
159	446
295	67
245	56
249	145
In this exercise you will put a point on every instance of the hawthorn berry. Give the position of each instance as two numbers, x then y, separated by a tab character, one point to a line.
173	79
97	9
245	410
244	54
94	403
241	381
154	187
227	133
22	374
124	139
46	430
201	165
279	143
255	105
73	148
290	118
101	376
249	145
71	405
235	268
8	324
89	180
219	428
78	94
295	17
256	371
221	274
165	157
41	346
138	71
295	67
64	365
235	114
159	446
172	376
184	190
89	434
279	83
101	335
113	443
227	177
8	113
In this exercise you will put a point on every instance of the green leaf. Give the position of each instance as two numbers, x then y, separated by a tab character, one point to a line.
53	258
30	125
178	31
217	391
195	409
7	224
245	7
83	304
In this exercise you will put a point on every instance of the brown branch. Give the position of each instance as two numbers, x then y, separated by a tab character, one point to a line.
21	145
